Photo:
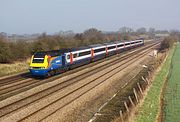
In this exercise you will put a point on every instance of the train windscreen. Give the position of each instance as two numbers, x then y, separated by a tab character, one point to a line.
38	60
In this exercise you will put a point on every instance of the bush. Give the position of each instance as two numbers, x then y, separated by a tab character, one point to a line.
6	56
166	43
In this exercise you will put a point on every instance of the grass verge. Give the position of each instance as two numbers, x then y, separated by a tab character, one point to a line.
8	69
149	110
172	92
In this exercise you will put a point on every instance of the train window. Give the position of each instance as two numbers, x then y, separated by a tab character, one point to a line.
120	45
75	55
38	60
68	56
127	44
132	42
99	50
84	53
112	47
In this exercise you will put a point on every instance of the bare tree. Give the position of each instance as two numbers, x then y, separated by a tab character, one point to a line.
93	35
141	30
152	30
125	30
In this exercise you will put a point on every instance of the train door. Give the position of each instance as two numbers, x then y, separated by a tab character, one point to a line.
63	60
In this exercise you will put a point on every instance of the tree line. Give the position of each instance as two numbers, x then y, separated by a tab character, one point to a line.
18	50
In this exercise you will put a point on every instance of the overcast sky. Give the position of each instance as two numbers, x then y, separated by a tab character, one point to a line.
36	16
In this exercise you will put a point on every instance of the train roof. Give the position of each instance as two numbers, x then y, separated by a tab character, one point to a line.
80	48
109	43
116	42
52	52
96	45
66	50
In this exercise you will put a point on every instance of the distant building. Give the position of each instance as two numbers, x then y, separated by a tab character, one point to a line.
162	35
145	36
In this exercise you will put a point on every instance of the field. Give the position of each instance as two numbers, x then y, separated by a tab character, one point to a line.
149	110
8	69
172	93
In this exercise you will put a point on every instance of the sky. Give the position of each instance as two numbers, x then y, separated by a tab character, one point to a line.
37	16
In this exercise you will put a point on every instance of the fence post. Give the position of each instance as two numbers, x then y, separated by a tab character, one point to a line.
121	115
147	80
131	101
135	94
125	104
140	88
144	79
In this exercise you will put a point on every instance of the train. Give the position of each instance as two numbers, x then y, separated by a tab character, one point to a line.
49	63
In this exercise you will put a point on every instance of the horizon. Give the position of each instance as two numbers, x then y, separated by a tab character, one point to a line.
157	31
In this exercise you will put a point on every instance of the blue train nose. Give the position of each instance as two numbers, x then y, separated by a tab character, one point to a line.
38	72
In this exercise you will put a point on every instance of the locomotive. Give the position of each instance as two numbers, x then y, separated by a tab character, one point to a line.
48	63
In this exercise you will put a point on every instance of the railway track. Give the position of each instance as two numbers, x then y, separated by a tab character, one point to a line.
7	80
18	86
19	110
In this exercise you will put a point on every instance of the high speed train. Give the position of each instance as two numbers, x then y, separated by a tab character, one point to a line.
48	63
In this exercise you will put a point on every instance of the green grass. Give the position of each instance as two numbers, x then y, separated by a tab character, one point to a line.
172	93
149	110
8	69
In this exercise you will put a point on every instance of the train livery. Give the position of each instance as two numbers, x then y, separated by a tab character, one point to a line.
47	63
